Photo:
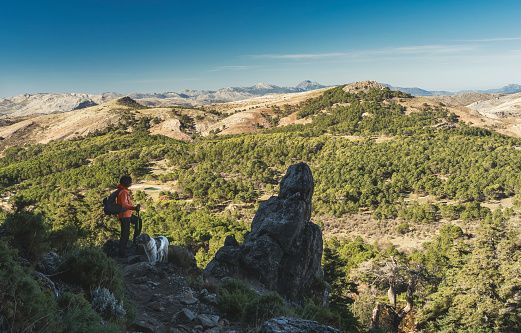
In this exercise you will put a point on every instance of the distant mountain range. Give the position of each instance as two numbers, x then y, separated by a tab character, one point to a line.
508	89
44	103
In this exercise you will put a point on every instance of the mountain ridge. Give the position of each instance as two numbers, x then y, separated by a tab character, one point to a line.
45	103
416	91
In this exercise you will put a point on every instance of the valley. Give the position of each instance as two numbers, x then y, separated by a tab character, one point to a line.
418	181
256	115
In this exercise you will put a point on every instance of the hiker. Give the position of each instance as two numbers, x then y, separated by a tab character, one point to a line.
126	218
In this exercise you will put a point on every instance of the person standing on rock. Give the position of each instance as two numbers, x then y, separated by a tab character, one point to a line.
126	218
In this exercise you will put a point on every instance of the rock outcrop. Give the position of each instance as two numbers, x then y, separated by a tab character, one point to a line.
363	86
283	251
295	325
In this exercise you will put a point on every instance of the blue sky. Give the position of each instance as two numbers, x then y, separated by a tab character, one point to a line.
152	45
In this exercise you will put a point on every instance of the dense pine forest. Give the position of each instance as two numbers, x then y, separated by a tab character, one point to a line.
368	156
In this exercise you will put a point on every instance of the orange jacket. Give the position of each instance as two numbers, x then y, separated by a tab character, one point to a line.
125	201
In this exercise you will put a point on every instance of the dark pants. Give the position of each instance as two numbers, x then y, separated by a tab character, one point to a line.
125	232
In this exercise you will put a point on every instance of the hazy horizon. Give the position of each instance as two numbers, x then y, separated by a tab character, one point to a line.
156	46
248	85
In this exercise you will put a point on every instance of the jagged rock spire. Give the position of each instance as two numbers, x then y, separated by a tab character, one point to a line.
283	251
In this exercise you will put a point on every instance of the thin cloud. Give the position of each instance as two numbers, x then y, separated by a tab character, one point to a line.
490	40
405	50
419	49
229	68
161	80
299	56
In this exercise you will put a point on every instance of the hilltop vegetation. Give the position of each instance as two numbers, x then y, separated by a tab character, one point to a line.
367	155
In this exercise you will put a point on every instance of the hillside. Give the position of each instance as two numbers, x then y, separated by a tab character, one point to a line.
245	116
176	122
497	112
502	106
270	106
414	201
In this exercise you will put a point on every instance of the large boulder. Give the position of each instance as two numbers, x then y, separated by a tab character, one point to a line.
182	257
283	251
294	325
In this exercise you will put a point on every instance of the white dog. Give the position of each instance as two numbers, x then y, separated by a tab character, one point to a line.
156	249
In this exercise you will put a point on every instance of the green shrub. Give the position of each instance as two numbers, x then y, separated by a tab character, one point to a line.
28	233
234	295
403	228
90	268
240	302
362	309
264	307
419	213
312	311
25	307
65	238
79	317
340	317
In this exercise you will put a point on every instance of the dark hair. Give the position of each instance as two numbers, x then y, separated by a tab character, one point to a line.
125	181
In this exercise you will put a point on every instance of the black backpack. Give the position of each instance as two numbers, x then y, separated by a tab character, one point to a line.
110	207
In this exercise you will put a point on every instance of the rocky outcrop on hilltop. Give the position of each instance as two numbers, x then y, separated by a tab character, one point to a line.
363	86
283	251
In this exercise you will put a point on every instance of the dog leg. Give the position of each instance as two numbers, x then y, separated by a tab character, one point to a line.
146	252
164	249
149	258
